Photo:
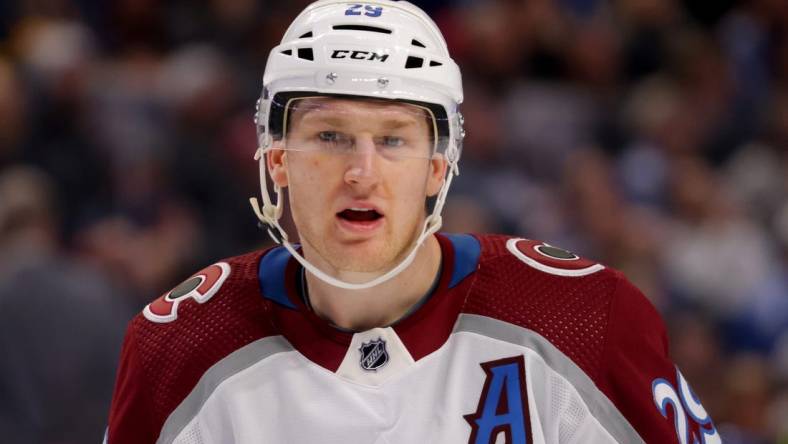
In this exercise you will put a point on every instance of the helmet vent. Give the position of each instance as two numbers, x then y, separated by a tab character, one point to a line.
414	62
415	42
306	54
288	52
434	63
306	36
362	28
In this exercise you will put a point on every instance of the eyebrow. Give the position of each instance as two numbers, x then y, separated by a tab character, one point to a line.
399	123
336	119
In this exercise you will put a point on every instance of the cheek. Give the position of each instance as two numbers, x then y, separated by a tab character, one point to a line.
410	187
302	169
309	182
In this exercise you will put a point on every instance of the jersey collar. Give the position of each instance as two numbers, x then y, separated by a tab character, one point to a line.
422	331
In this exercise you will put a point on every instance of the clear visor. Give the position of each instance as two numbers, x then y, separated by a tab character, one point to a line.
350	126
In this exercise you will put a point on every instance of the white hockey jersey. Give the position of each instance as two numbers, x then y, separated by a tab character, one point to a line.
519	343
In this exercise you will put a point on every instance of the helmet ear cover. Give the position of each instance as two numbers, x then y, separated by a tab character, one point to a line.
277	114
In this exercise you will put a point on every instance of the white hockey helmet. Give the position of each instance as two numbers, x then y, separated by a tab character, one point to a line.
379	49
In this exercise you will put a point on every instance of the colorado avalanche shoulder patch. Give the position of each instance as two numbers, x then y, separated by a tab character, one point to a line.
550	259
201	287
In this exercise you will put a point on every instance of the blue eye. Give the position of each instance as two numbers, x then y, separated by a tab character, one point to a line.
334	141
392	141
328	136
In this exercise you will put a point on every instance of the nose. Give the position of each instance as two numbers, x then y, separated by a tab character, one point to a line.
362	164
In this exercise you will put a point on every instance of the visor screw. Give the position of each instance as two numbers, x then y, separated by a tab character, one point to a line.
383	82
331	78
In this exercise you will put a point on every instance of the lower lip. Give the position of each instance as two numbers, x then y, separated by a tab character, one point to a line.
360	227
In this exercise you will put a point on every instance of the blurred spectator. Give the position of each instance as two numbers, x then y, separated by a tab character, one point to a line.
14	125
716	256
57	58
61	323
745	416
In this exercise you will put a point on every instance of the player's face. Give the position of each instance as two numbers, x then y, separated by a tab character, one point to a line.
358	174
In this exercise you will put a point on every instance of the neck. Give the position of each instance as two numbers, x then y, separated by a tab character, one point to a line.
383	304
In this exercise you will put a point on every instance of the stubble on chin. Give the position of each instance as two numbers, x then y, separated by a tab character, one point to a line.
375	255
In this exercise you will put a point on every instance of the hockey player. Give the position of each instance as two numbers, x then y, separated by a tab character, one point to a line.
377	328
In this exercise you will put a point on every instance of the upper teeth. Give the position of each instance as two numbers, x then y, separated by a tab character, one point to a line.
361	209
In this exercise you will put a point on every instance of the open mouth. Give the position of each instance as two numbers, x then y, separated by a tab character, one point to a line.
359	215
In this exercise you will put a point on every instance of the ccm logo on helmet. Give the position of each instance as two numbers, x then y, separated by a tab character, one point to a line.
201	287
358	55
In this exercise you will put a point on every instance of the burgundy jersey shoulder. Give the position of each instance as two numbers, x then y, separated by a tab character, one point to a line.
598	319
178	337
563	297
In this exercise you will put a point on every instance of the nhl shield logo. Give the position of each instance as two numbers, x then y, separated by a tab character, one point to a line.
373	355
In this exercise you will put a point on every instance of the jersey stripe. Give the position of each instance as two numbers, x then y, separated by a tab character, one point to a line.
233	364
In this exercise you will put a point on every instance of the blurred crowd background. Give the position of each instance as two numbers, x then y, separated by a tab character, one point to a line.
651	135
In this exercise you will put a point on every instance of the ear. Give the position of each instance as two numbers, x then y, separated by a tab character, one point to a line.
438	165
276	160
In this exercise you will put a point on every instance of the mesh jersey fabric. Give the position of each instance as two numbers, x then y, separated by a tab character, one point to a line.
572	313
